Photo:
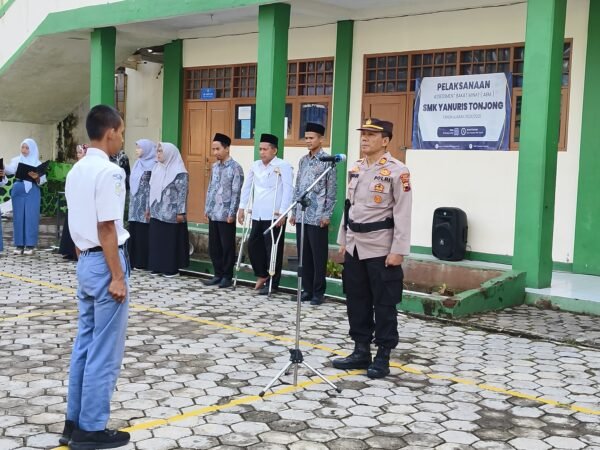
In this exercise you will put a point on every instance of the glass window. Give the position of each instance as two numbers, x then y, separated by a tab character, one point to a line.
245	120
312	112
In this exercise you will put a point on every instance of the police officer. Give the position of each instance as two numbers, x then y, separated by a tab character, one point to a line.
374	237
317	215
95	191
222	201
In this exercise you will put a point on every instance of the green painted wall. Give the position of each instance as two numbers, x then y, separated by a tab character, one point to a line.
271	81
102	66
172	114
586	257
341	115
539	140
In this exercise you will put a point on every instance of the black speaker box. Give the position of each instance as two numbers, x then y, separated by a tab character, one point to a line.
449	234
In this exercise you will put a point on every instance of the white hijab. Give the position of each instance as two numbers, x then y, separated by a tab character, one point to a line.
144	163
165	172
33	159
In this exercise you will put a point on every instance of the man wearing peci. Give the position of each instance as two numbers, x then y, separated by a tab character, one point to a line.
374	238
317	215
271	179
95	191
222	202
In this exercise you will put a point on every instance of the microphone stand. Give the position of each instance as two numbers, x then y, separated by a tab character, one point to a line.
296	356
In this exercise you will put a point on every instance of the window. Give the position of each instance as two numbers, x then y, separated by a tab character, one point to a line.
121	92
309	90
396	74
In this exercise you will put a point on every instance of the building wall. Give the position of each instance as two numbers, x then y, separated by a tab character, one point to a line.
481	183
13	133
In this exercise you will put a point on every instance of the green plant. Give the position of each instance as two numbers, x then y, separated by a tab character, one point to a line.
65	144
334	270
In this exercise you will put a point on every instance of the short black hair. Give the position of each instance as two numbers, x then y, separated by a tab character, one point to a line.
100	119
387	134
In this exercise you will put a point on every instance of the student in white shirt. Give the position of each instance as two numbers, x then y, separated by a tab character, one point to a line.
268	175
95	191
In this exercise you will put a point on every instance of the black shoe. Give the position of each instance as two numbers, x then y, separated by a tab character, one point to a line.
91	440
212	282
360	358
67	432
381	364
304	297
265	289
225	283
316	300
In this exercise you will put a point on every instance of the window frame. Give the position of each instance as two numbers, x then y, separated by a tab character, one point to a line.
516	91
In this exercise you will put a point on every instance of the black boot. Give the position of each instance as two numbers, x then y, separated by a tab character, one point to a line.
360	358
381	364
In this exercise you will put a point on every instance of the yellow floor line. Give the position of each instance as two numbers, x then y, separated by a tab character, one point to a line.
235	402
404	368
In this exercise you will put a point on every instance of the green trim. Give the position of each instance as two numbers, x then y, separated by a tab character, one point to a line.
121	13
491	258
271	81
574	305
536	185
5	7
341	114
102	66
587	246
172	113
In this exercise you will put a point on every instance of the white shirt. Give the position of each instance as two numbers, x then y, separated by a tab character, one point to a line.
265	179
95	191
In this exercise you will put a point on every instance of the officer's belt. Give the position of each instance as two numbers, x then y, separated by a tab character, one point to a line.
371	226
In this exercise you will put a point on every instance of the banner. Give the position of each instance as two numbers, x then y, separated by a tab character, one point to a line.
468	112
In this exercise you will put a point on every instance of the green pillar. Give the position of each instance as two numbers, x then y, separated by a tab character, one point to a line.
341	115
172	113
544	40
587	245
271	84
102	66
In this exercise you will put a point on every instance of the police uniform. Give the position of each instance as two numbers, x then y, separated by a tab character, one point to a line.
377	221
95	191
222	202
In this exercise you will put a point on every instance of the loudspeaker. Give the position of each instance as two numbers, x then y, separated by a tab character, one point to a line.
449	234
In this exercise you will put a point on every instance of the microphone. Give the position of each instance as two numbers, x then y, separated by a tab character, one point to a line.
333	158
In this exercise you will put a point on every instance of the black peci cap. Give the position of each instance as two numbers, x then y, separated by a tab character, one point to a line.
270	138
223	139
315	128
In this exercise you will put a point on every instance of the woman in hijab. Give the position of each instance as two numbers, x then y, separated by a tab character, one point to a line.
26	199
168	232
67	246
139	184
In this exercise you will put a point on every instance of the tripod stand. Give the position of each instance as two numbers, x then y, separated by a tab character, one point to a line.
296	356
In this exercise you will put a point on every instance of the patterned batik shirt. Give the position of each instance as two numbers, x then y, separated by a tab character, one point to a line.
172	200
139	202
322	196
223	196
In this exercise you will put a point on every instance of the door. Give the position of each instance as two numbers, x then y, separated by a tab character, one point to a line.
393	109
202	120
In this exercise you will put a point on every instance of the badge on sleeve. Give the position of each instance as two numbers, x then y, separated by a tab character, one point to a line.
118	183
405	178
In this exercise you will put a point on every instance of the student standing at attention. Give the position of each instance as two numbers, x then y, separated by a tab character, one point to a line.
95	191
26	199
